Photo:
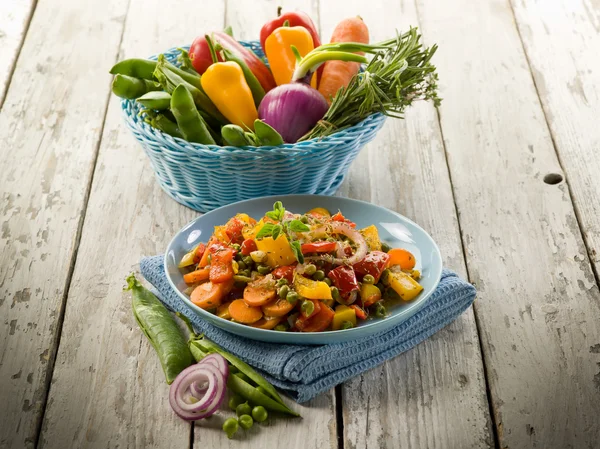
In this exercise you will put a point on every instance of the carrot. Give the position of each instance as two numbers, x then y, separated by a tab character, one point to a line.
264	323
196	276
360	313
204	260
221	268
243	313
209	295
317	322
223	311
337	74
257	295
277	308
402	257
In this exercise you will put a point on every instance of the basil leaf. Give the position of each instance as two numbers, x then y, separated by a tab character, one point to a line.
295	245
298	226
273	215
265	231
276	231
278	205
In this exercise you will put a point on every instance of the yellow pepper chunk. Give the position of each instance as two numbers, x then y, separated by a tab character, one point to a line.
279	252
187	259
221	235
343	313
406	287
371	236
251	231
369	294
310	289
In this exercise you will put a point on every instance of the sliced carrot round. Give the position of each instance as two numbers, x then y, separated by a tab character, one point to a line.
402	257
243	313
264	323
208	295
257	295
277	308
196	276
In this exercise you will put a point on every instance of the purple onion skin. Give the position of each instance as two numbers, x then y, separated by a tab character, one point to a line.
292	110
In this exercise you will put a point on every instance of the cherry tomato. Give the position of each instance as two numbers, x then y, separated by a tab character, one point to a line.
318	247
374	263
248	246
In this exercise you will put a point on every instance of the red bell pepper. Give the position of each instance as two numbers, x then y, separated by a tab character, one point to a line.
233	229
339	217
202	59
199	252
318	247
344	279
248	246
286	272
374	263
221	268
294	18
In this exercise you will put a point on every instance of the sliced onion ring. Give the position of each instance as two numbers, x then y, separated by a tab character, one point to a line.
218	361
352	234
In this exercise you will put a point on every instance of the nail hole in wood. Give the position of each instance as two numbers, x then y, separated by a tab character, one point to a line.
553	178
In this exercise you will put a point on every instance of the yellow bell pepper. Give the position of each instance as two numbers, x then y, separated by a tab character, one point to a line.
225	85
251	231
343	313
310	289
221	235
279	252
369	294
278	48
406	287
371	236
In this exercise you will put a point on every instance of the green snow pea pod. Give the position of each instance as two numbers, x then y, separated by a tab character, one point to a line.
128	87
157	100
234	135
165	124
186	62
138	68
266	135
189	120
246	390
162	331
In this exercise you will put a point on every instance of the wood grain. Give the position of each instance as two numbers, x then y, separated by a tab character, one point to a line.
15	16
108	389
317	428
569	30
50	125
538	301
434	395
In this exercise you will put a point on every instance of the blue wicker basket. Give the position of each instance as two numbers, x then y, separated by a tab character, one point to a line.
205	177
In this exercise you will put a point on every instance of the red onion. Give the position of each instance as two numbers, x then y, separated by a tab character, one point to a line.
191	379
218	361
292	109
352	234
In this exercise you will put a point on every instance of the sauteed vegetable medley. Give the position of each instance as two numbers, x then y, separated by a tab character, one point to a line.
290	272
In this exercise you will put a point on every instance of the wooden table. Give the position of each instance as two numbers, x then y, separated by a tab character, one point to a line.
521	369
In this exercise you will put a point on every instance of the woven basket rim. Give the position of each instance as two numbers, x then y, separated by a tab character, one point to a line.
131	108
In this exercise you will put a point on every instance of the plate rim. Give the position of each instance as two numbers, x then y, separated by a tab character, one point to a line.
414	307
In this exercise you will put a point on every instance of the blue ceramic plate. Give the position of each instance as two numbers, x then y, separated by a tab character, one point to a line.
394	229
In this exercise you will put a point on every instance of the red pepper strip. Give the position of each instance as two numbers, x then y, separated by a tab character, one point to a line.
199	252
286	272
374	263
248	246
339	217
233	229
221	268
318	247
360	313
344	279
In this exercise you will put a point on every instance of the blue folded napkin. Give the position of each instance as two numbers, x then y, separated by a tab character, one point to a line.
306	371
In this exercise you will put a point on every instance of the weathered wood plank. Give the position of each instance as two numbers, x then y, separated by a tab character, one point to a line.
434	395
538	301
50	125
15	16
569	30
108	389
317	428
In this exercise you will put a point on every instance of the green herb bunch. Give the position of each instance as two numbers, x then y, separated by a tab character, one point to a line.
283	227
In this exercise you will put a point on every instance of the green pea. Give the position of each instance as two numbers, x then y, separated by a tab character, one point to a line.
263	269
241	265
259	413
310	269
248	261
380	310
385	277
327	281
319	275
368	279
292	297
335	293
281	328
236	246
347	325
307	308
230	426
385	247
243	409
246	273
283	291
234	401
245	421
282	281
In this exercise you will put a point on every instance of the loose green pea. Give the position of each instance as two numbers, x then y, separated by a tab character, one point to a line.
319	275
246	421
283	291
263	269
292	297
234	401
385	277
246	273
380	310
347	325
230	426
248	261
385	247
259	413
327	281
335	293
310	269
243	409
307	308
235	246
281	328
241	265
368	279
282	281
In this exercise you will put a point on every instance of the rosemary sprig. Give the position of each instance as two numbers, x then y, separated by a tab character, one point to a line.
397	75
